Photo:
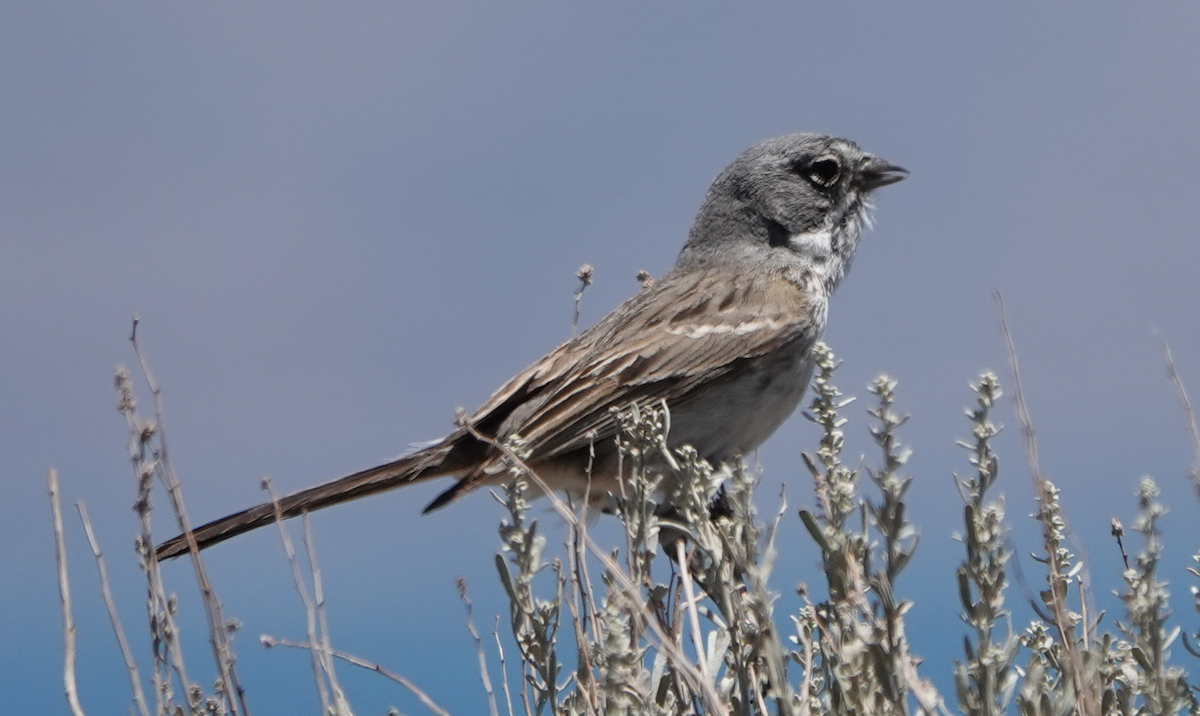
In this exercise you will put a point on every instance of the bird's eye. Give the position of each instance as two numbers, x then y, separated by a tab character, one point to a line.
824	171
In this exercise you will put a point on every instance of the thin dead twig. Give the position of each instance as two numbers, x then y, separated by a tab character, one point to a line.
270	642
503	666
166	653
135	680
217	634
310	550
685	574
64	593
1086	698
578	603
483	670
1027	431
1189	414
310	612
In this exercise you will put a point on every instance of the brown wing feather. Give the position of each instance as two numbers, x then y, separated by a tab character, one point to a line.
648	349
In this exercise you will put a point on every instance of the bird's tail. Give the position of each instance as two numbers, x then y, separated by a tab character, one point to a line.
406	470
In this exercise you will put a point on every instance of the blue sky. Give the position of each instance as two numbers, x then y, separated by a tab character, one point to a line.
339	222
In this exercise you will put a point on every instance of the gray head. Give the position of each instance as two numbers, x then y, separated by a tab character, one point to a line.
801	198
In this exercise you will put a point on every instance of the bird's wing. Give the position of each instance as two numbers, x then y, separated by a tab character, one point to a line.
662	344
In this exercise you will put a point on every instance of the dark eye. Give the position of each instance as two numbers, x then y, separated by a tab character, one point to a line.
824	171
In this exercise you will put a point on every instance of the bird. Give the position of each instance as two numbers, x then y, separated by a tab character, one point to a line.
724	339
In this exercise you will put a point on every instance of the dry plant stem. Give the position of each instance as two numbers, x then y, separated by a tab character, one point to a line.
483	670
64	593
1027	431
579	557
685	574
676	613
1085	695
310	612
1189	414
369	666
524	693
621	580
578	603
807	653
218	637
560	578
135	680
503	666
310	551
168	657
758	694
758	584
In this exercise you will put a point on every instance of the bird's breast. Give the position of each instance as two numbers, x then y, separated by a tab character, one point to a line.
739	411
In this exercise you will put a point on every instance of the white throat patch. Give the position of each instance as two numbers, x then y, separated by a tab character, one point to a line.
816	245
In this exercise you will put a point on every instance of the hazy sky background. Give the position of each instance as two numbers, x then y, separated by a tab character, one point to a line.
340	221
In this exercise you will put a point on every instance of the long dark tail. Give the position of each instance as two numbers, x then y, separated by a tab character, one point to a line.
424	464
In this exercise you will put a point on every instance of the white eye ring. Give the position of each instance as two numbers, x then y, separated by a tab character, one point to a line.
825	171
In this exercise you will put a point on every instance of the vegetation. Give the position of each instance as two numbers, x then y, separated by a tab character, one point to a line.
681	618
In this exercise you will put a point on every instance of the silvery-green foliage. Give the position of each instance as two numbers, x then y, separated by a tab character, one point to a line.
1060	673
642	436
985	680
715	597
534	621
697	633
1162	687
859	651
1195	590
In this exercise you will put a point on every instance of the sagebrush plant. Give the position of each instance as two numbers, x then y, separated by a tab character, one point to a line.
681	619
985	679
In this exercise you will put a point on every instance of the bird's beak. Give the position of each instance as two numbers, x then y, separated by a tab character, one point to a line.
875	172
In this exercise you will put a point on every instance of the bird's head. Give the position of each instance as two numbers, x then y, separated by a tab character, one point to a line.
801	198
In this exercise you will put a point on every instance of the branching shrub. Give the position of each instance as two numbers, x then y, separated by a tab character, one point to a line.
680	619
